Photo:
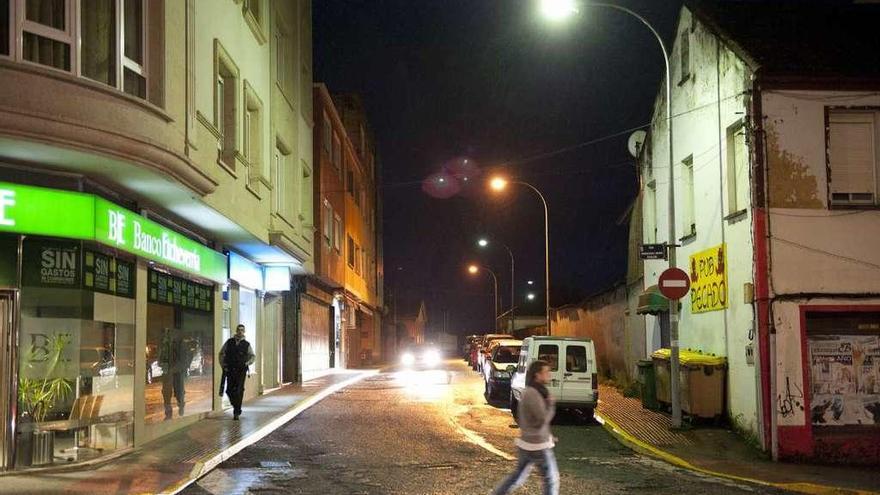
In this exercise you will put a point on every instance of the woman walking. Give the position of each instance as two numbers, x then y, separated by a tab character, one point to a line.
535	443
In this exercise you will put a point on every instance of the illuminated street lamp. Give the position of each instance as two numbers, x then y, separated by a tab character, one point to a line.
556	10
499	184
473	270
483	242
530	296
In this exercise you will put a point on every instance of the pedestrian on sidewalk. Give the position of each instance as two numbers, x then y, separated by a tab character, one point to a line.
535	443
235	357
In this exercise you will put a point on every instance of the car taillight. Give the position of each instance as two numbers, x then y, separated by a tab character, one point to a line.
595	379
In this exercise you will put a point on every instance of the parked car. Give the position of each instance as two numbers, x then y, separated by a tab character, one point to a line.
499	366
574	381
486	342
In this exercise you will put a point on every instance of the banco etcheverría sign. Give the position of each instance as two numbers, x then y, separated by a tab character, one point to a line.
50	212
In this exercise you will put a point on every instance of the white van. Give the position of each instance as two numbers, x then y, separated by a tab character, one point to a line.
574	382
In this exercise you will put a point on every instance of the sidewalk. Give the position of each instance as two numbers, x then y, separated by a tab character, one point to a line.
721	452
170	463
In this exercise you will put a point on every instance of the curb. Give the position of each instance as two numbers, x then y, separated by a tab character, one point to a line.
637	445
205	466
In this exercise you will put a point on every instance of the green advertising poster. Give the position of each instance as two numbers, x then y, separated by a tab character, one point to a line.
124	278
49	263
50	212
167	289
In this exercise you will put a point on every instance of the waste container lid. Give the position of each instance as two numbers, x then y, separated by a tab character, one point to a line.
645	363
691	357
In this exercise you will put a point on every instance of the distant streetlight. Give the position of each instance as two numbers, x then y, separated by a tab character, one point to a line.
483	242
473	270
557	10
499	184
531	282
530	296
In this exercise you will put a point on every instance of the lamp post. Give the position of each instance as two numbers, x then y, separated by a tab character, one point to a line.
483	242
473	270
557	10
499	184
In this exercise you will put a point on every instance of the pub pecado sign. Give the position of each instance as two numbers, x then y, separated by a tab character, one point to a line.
50	212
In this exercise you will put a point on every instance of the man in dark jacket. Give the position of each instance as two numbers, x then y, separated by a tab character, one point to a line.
235	357
535	443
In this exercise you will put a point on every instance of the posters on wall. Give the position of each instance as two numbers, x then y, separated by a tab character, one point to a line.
168	289
104	273
48	263
845	376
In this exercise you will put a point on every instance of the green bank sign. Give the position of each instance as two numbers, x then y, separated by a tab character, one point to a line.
41	211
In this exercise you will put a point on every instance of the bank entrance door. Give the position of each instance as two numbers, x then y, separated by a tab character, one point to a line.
8	376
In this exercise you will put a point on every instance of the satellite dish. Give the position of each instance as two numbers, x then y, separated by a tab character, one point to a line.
635	142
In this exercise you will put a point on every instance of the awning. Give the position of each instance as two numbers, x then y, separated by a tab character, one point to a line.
652	302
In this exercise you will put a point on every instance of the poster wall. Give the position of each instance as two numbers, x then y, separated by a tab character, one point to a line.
845	377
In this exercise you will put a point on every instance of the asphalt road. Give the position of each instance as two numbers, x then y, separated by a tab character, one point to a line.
414	433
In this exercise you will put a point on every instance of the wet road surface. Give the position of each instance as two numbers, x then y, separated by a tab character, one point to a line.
414	433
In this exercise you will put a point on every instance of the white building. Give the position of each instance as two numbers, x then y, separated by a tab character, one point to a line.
775	167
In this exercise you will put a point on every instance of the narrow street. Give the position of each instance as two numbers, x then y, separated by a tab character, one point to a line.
405	432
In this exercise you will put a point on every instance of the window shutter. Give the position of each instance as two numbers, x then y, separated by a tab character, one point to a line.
851	152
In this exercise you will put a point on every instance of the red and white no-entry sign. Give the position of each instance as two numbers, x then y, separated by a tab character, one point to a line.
674	283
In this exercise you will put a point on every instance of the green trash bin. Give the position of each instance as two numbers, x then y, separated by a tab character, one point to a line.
647	384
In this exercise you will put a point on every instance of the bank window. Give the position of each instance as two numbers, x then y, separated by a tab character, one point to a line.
737	173
853	157
689	223
549	353
350	252
844	370
337	232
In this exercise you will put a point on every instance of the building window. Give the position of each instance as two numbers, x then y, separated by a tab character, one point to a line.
737	169
689	224
685	43
225	105
337	233
253	16
5	31
98	25
349	182
853	158
134	42
47	33
327	222
350	252
651	212
337	152
252	128
282	58
283	187
305	204
357	259
327	137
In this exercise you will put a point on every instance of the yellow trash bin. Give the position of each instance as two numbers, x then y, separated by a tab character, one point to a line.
702	379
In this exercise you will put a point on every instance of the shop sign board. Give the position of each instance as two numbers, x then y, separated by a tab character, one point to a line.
104	273
708	273
50	212
49	263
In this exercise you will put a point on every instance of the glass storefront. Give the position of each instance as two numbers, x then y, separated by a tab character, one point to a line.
76	352
180	344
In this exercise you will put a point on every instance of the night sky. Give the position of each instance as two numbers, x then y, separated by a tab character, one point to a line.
493	83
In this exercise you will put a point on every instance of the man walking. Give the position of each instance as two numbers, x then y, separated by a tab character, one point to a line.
535	444
235	357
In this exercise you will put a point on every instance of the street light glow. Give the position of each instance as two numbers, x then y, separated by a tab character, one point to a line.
531	282
473	269
482	243
498	183
530	297
557	10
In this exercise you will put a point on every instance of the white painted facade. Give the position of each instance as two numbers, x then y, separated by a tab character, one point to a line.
708	104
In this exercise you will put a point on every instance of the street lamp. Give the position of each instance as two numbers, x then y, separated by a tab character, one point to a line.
498	184
483	242
473	270
553	9
530	296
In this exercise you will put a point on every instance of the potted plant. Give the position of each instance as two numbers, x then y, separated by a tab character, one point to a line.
41	386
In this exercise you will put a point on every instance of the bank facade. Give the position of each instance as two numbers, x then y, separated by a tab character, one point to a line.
155	191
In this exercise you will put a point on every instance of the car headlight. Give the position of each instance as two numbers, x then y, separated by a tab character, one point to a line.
407	359
432	358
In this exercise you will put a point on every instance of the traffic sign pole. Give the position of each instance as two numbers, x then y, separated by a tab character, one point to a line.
674	284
